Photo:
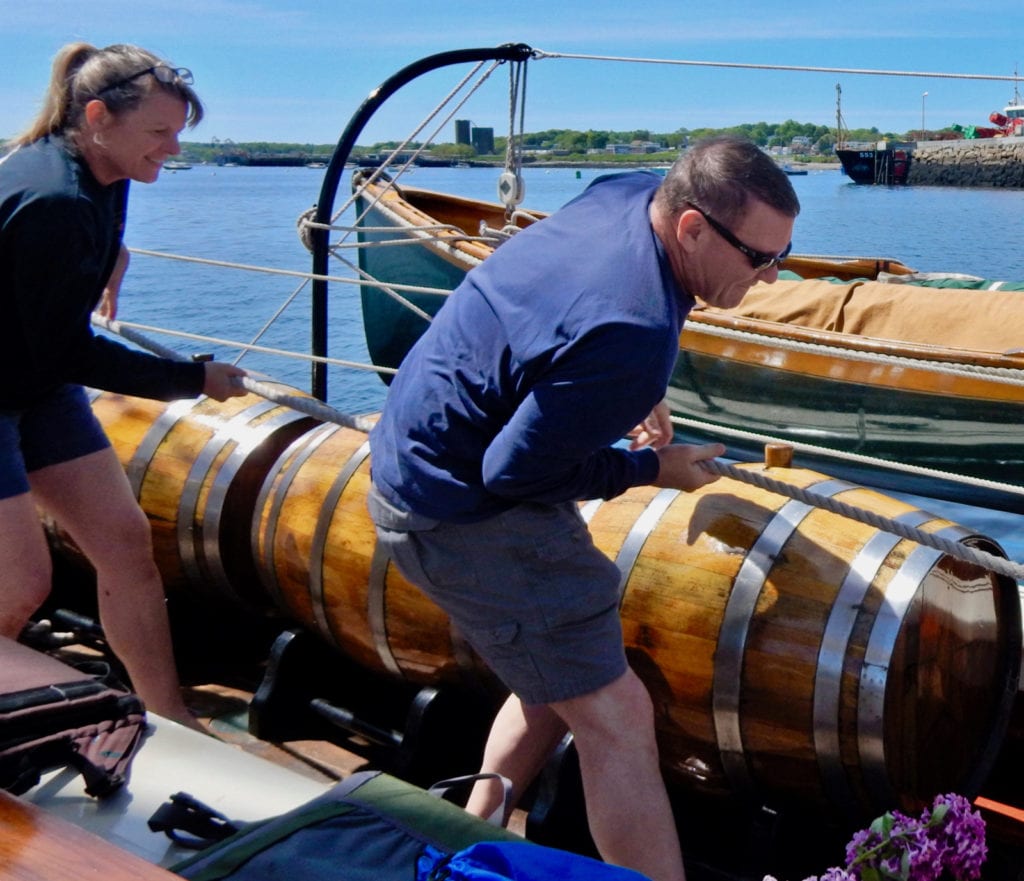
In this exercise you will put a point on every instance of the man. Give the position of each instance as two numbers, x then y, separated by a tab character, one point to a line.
507	412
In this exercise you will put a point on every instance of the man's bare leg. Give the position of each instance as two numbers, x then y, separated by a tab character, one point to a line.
628	809
520	742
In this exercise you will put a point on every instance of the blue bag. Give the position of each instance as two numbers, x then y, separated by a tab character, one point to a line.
516	861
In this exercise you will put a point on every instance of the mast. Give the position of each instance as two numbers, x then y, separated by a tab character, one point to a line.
840	123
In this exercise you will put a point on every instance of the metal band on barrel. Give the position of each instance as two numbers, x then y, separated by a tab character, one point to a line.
142	458
375	595
296	455
834	650
238	426
732	637
213	514
317	551
877	656
642	528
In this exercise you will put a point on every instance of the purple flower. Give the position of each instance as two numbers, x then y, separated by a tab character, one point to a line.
961	835
948	839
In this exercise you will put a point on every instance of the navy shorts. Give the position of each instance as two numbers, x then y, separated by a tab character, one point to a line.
527	589
56	428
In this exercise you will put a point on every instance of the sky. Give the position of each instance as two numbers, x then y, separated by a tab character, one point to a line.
295	72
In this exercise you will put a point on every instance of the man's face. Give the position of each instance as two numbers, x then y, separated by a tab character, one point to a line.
718	272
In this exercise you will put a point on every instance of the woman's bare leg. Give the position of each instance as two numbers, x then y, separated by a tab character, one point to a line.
91	499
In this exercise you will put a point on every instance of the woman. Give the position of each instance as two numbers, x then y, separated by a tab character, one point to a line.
110	115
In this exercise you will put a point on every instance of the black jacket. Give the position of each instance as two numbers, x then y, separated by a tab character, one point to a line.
60	232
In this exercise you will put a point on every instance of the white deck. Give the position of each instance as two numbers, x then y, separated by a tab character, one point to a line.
174	759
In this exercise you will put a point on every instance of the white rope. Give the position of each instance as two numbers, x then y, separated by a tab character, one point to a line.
303	404
540	53
313	407
308	405
132	331
293	273
858	458
871	518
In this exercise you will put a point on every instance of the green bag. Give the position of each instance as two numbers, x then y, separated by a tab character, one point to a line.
368	827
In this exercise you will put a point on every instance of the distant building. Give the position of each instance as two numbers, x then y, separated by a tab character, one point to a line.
483	140
462	131
634	147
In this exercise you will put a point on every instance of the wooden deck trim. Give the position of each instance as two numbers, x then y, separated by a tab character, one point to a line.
38	846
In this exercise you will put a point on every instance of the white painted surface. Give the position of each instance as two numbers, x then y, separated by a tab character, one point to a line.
173	759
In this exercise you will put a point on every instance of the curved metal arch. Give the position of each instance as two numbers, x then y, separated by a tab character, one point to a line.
335	168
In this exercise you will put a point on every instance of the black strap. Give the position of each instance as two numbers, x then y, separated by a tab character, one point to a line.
201	824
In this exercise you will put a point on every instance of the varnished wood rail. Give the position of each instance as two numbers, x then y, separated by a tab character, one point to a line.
37	846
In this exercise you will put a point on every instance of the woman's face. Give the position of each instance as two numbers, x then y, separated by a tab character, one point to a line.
135	143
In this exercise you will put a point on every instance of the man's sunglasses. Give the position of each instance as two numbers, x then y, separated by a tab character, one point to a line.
161	72
759	260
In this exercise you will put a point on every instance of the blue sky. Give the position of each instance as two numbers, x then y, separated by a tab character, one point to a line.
295	71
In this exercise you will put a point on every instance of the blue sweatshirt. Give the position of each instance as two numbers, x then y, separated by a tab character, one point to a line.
541	360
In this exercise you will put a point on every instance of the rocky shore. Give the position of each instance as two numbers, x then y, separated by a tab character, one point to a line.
986	162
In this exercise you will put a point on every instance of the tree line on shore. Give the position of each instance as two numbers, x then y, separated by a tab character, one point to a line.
810	139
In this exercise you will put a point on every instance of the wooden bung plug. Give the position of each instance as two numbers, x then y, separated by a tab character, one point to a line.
778	455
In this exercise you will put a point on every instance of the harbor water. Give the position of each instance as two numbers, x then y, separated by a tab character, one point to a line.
247	217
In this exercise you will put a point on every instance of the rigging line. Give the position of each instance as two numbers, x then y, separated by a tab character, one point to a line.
377	173
125	328
947	546
302	403
540	53
858	458
422	240
409	236
386	288
291	273
426	227
380	170
402	168
273	318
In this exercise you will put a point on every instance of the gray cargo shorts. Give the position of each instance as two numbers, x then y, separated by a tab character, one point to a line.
527	588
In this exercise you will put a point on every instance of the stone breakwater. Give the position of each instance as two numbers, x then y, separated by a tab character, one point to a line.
996	162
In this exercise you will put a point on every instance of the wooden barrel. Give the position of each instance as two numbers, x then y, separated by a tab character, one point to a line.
790	652
315	549
196	466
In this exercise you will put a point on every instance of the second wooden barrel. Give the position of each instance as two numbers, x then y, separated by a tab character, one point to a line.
196	467
790	652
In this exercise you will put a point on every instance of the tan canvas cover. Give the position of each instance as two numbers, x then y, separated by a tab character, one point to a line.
985	321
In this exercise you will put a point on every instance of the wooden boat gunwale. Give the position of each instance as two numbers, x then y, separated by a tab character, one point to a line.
410	206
